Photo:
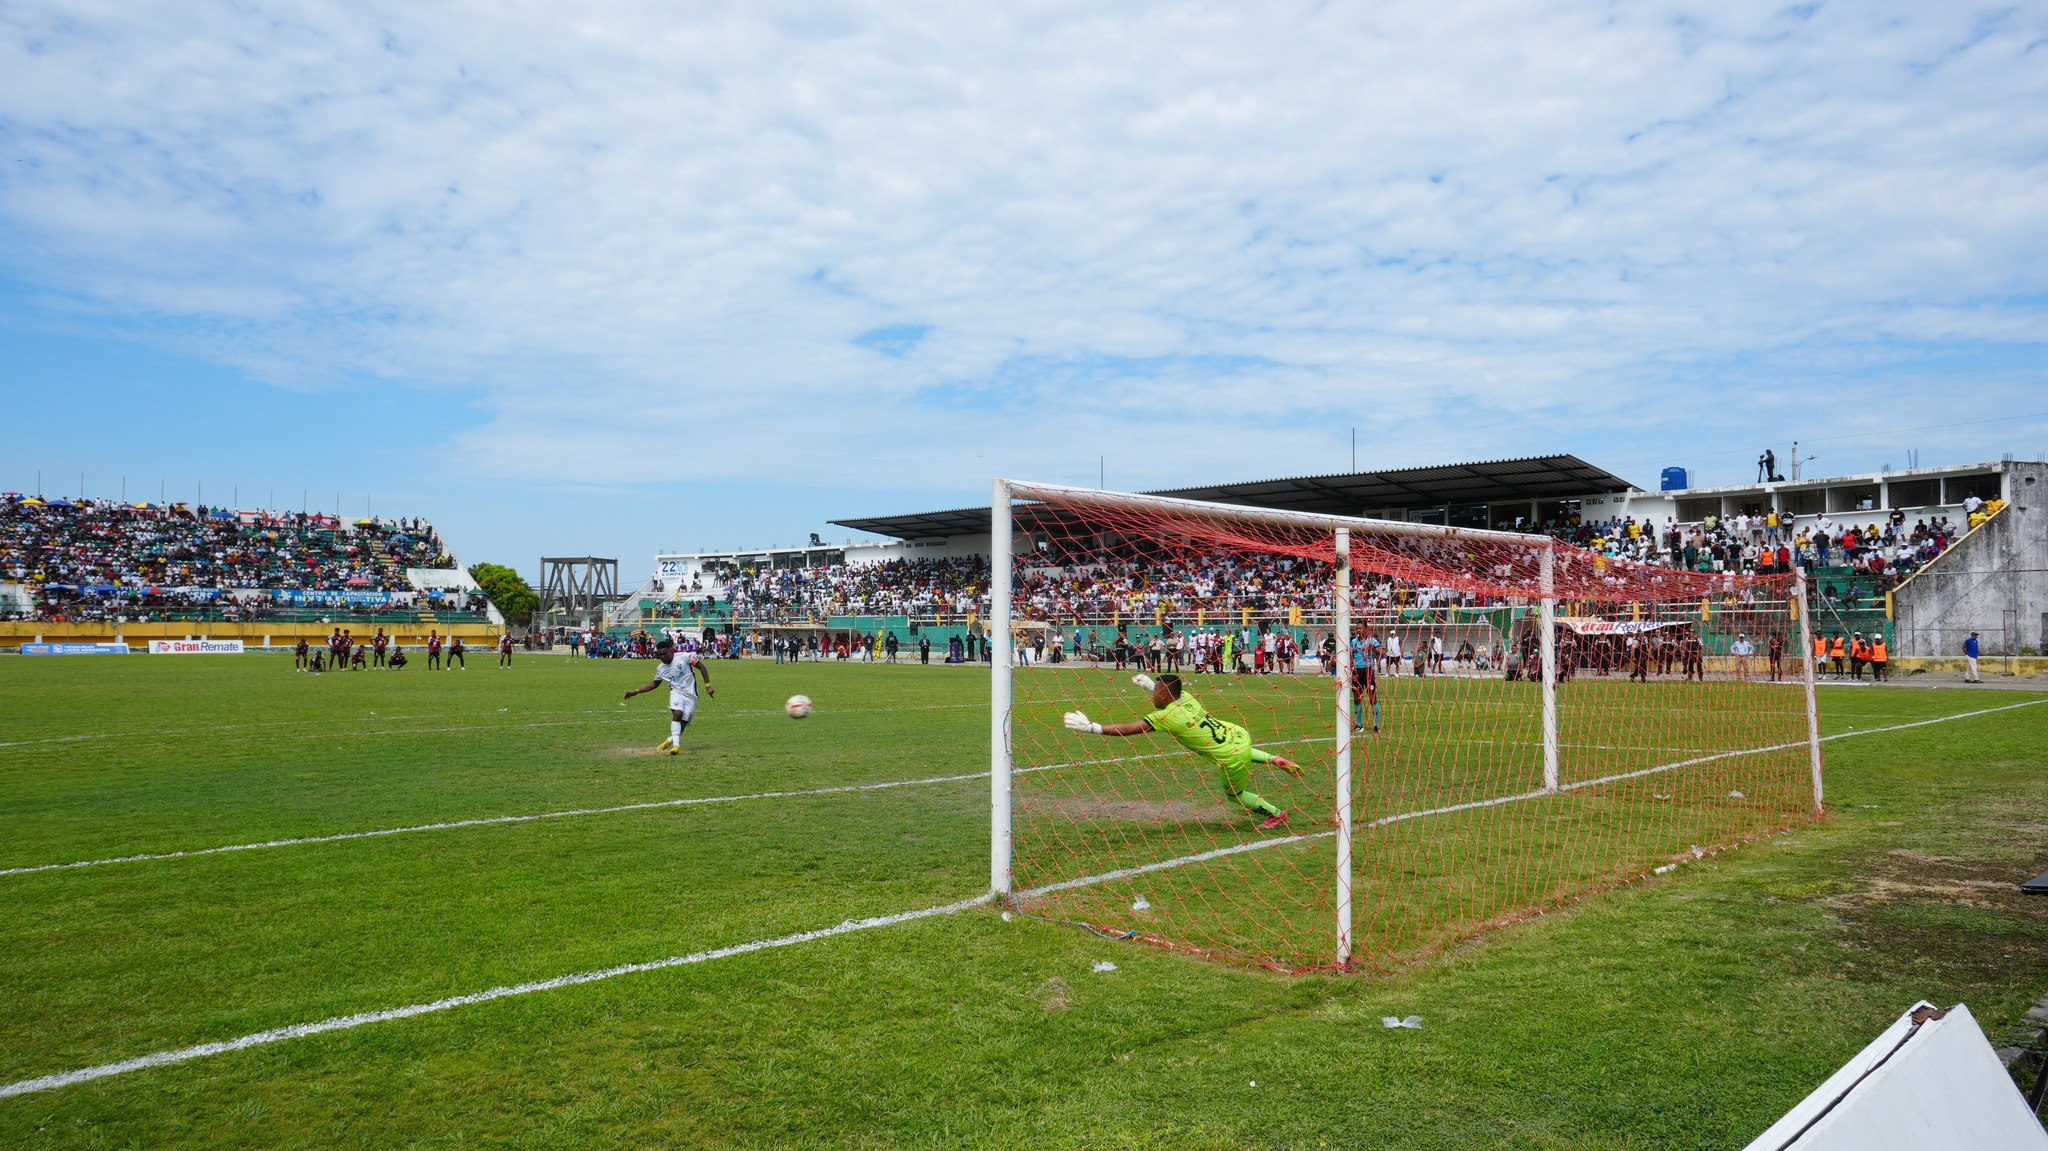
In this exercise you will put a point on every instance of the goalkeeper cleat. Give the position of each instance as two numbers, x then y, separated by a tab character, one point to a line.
1273	821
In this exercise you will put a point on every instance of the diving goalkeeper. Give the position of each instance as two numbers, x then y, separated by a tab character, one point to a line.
1182	716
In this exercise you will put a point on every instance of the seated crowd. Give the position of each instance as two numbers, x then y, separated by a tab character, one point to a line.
1136	581
93	559
1888	551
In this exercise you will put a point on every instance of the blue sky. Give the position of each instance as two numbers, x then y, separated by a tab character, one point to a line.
624	277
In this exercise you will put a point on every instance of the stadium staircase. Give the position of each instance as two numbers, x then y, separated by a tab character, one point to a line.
1832	613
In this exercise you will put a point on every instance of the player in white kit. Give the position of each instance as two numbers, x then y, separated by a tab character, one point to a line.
680	670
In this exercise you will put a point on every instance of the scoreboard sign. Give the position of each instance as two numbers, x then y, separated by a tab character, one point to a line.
195	647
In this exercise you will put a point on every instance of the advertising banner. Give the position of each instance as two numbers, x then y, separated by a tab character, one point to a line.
195	647
74	649
1616	627
321	597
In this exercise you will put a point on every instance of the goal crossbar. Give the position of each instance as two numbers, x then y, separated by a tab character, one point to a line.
1275	517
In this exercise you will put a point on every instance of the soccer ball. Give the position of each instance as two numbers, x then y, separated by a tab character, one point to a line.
798	706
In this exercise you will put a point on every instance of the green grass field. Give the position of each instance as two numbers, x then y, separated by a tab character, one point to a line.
1688	1010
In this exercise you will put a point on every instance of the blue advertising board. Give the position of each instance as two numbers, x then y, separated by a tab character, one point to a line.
74	649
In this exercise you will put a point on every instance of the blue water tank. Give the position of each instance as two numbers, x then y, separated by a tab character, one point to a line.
1676	479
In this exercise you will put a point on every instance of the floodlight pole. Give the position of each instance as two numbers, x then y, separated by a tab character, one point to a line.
1547	619
1799	606
1342	677
999	870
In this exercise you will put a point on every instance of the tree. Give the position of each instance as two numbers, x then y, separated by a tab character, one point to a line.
503	585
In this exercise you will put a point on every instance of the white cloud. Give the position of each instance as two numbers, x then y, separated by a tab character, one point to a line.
1121	225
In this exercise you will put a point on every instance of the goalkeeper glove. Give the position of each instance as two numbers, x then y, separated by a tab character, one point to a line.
1079	721
1142	680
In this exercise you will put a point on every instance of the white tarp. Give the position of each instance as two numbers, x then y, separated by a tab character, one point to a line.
441	579
1917	1087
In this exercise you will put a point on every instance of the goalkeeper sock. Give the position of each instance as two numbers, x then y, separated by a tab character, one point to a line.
1255	802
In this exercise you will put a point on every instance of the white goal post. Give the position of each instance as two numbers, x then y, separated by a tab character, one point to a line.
1545	574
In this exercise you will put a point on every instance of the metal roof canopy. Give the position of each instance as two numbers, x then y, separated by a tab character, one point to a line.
1536	478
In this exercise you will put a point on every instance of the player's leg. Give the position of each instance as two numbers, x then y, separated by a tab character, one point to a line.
676	724
1255	755
1236	777
681	709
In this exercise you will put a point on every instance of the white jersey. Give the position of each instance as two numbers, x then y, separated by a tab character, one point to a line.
680	673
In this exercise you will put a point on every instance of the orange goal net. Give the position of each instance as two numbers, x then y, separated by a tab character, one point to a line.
1485	724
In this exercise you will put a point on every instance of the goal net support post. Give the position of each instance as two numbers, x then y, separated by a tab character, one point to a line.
1517	722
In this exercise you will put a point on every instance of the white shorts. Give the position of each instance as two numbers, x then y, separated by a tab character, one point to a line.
685	703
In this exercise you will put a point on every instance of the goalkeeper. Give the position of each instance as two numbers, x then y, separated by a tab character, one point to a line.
1182	716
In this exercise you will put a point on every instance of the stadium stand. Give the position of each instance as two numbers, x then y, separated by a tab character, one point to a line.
93	561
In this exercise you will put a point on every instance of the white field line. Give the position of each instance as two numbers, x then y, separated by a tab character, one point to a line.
1539	793
486	821
613	716
346	1022
491	820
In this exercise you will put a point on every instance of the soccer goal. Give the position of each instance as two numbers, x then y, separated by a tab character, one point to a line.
1486	724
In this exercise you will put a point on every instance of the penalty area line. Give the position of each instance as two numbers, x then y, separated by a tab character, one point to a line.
496	820
347	1022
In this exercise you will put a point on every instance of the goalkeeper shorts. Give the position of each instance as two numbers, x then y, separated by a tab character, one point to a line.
1234	769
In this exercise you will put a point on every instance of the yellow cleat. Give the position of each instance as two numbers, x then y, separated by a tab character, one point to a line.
667	745
675	749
